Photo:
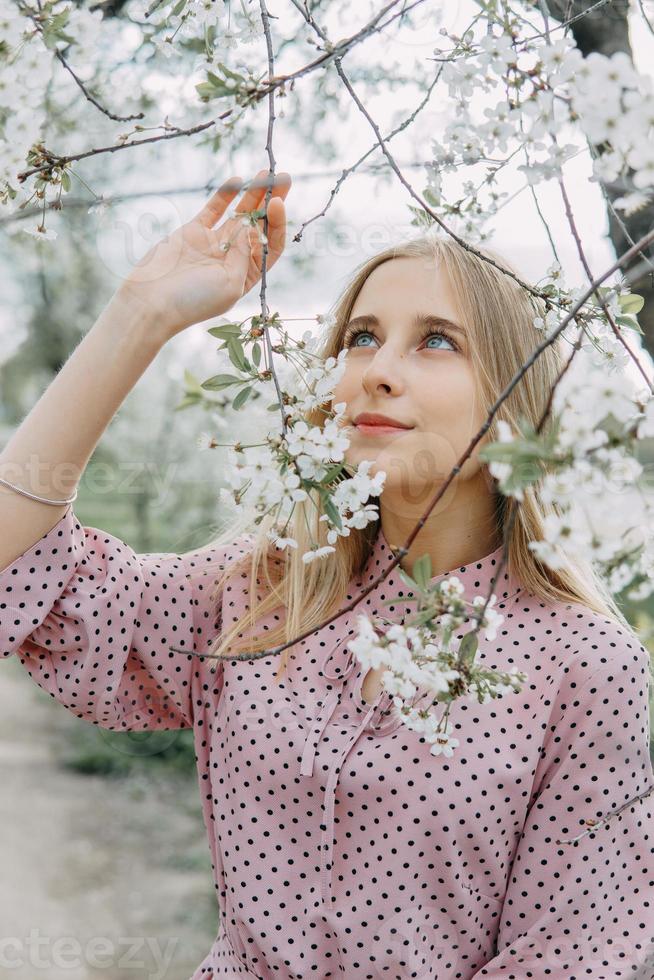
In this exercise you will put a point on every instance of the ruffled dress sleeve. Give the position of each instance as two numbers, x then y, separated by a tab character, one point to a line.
92	622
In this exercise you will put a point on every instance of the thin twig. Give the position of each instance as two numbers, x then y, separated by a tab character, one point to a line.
98	105
504	557
61	161
255	96
645	18
589	274
594	825
572	20
611	207
39	27
264	251
348	171
71	203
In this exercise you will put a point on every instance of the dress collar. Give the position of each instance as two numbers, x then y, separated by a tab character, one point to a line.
475	577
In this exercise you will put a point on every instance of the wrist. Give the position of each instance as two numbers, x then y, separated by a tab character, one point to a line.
128	315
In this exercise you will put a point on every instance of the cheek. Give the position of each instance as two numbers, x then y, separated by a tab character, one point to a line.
348	386
450	404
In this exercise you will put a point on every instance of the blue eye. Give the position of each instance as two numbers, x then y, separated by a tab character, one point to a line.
442	335
352	336
355	337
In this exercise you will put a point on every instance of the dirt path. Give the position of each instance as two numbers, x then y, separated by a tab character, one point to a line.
100	878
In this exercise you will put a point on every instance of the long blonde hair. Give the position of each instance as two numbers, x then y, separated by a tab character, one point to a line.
498	316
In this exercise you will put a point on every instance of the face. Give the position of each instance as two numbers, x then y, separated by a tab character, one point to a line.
417	374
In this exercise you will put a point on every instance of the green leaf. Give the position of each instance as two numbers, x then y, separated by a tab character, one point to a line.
256	354
420	217
422	571
219	381
631	303
216	87
205	90
241	398
177	9
422	618
228	73
59	20
627	320
331	510
191	381
468	648
237	355
406	578
65	180
51	37
218	83
332	472
225	330
186	403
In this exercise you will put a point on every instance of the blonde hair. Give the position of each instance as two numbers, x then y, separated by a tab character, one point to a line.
497	315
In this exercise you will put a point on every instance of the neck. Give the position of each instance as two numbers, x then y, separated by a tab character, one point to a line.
461	529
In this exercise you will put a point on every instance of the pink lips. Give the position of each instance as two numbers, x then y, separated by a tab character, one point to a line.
372	422
374	430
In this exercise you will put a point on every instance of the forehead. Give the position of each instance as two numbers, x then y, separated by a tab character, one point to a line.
406	285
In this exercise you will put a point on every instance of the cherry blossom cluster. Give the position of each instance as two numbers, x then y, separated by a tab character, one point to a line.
552	86
420	662
288	467
590	469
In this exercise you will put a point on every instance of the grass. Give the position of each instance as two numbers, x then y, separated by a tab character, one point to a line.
95	751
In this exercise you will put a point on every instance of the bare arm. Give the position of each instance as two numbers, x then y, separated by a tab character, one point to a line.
186	278
51	448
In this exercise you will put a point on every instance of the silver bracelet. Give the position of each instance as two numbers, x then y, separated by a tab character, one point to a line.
33	496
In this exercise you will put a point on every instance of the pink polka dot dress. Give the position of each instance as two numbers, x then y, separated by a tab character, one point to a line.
340	845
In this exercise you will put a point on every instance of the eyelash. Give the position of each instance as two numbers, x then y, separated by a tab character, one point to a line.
351	335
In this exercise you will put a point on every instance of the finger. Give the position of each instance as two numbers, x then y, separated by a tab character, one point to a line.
259	187
276	229
237	257
276	217
218	203
282	186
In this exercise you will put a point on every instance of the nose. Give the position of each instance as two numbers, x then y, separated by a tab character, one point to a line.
386	372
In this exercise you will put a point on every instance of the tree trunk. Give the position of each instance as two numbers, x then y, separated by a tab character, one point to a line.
606	31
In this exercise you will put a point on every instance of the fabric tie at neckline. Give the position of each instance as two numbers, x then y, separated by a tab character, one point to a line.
327	706
368	722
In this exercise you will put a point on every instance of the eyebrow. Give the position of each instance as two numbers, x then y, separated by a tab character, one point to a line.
419	320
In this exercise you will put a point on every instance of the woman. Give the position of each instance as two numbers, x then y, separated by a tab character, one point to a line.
340	845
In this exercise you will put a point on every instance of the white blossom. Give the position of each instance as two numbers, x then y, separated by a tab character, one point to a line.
631	203
310	556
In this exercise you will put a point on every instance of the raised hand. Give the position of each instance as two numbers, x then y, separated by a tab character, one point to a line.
203	268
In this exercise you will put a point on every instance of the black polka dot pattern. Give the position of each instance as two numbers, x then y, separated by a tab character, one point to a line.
340	846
